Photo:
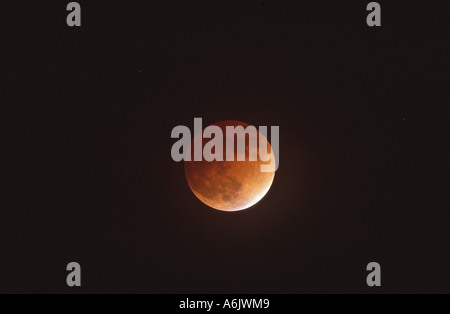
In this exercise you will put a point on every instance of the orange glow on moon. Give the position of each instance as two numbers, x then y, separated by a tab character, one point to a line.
229	185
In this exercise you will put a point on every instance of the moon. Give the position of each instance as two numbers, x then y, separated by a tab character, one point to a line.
230	185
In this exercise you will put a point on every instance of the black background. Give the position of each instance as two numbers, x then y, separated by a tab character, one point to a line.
87	174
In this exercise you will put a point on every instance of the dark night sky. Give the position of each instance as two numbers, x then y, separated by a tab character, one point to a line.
88	176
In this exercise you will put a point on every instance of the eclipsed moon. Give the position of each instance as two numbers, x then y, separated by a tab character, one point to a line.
230	185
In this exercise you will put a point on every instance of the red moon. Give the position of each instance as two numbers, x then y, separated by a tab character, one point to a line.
229	185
